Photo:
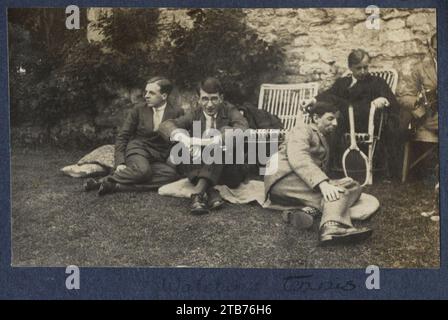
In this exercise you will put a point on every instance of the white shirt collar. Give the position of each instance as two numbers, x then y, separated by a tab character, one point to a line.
209	117
354	80
160	109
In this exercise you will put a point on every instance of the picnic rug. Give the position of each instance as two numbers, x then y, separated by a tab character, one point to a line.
100	162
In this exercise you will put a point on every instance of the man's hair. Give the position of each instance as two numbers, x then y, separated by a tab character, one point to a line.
210	85
356	56
321	107
165	85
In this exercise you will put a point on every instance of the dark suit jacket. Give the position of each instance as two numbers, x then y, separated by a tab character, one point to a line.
137	135
360	96
228	117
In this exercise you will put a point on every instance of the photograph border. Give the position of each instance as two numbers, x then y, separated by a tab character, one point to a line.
219	283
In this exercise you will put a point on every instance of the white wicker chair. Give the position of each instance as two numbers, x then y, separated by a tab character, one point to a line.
286	101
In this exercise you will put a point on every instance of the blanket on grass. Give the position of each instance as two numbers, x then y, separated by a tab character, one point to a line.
253	191
100	162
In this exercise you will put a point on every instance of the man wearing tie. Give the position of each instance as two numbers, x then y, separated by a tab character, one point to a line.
212	113
140	152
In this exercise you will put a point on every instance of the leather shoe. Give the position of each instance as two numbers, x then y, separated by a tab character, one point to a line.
314	212
298	219
107	187
91	184
337	233
214	199
199	204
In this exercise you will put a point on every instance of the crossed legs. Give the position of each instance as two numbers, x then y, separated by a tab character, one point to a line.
139	175
335	224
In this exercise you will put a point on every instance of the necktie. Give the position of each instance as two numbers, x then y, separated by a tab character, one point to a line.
213	123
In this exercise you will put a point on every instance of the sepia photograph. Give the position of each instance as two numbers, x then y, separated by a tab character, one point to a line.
280	138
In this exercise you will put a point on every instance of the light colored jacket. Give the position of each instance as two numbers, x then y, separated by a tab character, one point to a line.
306	153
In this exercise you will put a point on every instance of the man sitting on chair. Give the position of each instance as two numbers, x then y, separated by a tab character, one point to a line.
424	82
140	152
363	90
424	78
298	176
213	113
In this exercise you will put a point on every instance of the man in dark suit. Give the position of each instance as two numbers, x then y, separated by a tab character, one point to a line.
213	113
362	90
140	152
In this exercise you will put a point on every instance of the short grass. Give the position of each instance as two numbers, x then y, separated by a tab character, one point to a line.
55	223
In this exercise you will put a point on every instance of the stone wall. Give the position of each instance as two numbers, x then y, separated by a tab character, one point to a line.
318	41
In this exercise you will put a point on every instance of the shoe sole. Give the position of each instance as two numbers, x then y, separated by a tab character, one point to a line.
88	188
345	238
216	205
101	192
199	212
299	220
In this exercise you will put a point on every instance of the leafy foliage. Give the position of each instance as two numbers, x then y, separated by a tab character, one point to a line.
43	73
56	73
221	44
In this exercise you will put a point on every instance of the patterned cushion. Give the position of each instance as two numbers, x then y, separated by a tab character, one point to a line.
84	171
103	156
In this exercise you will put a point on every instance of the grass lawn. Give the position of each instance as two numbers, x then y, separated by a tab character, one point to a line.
55	223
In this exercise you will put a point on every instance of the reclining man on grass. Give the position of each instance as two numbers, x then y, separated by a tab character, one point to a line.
298	176
140	152
212	113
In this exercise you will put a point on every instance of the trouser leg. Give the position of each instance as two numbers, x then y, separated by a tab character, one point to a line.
394	141
162	175
210	172
229	175
233	175
292	191
138	170
338	210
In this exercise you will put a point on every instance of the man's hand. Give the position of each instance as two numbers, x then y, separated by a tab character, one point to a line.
216	140
380	103
184	139
120	167
195	152
307	103
329	191
192	144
